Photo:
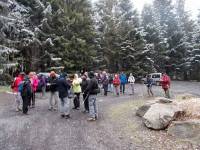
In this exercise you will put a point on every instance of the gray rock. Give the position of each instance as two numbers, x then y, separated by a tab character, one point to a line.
159	116
142	110
164	100
186	130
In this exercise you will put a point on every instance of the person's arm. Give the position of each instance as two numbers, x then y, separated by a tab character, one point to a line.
133	79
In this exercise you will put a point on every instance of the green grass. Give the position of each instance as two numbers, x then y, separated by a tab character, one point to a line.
4	89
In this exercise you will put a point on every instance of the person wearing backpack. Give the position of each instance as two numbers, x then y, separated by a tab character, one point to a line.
92	89
26	93
53	92
63	88
165	82
123	81
131	81
15	85
116	84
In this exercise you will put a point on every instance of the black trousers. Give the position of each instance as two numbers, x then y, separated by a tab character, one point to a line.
86	102
105	87
77	100
32	101
26	102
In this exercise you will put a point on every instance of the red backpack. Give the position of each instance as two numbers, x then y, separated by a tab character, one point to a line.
116	81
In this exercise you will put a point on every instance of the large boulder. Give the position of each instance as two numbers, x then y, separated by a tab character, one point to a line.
144	108
159	116
186	130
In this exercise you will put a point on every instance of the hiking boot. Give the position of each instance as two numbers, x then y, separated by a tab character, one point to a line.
67	116
62	116
50	109
91	119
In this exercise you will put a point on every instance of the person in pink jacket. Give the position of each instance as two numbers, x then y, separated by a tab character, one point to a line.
34	84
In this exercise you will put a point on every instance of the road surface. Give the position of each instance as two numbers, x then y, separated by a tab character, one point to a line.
45	130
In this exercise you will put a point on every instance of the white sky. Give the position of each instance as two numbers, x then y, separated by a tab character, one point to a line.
191	5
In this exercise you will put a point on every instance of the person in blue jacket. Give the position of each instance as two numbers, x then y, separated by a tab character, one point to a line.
123	81
63	87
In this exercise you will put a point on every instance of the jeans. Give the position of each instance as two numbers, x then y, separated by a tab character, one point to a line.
132	88
110	87
53	96
105	87
122	87
43	91
18	100
93	106
65	106
116	90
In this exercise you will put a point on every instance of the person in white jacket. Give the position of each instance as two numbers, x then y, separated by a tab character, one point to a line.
131	80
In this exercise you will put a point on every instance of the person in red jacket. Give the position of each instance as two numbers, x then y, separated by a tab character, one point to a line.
116	83
18	99
165	82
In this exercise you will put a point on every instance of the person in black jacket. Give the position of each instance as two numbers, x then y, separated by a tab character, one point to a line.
53	92
26	93
92	89
63	88
84	85
105	83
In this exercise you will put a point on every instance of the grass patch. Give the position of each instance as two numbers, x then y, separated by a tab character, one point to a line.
4	89
124	115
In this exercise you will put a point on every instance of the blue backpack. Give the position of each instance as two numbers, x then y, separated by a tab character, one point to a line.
20	87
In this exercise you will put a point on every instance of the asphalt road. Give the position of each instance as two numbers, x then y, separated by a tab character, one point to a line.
45	130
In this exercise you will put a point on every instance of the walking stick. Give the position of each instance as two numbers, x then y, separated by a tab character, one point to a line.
85	98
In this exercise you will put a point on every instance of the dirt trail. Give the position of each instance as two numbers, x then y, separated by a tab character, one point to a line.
45	130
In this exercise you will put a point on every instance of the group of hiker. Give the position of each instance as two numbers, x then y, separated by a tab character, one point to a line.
62	89
65	87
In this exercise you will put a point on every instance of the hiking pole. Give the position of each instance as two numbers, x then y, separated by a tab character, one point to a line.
85	99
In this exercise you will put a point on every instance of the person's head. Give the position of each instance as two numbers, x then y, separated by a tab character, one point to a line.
31	74
91	74
116	75
26	78
131	74
75	76
52	74
22	75
84	77
148	76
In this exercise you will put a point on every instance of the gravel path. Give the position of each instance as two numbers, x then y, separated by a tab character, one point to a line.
45	130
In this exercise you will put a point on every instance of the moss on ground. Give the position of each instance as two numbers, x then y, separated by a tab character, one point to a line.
5	89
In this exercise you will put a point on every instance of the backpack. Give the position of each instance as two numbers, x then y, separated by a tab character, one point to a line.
25	89
116	82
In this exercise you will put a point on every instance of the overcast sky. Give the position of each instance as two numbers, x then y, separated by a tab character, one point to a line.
191	5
